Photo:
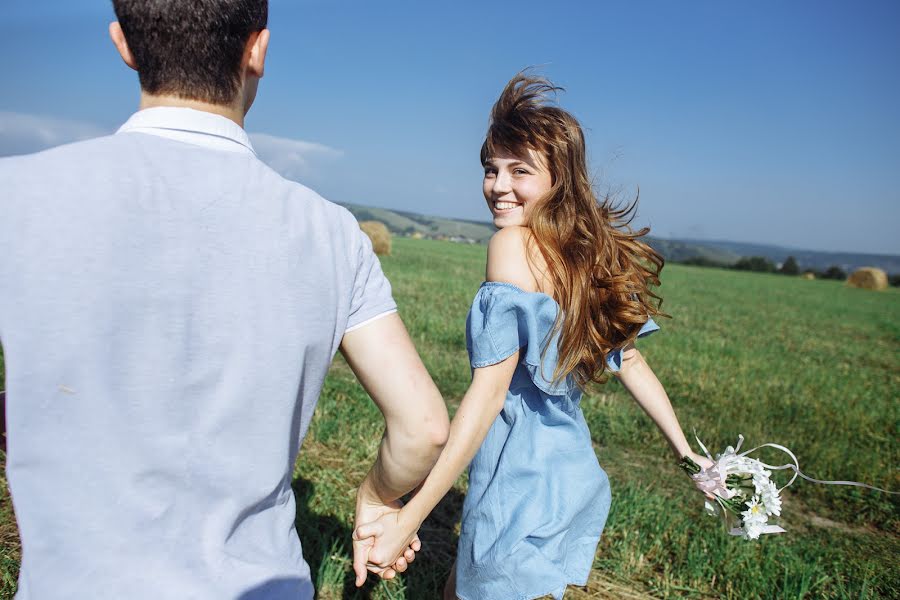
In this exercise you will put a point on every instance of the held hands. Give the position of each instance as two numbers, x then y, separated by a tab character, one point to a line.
387	558
390	542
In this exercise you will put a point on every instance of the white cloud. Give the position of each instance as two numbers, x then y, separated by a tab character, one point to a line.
22	133
292	158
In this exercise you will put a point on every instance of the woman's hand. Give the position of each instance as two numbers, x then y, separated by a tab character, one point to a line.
701	481
389	541
700	459
370	508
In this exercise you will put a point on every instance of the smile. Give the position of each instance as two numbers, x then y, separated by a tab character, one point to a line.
500	205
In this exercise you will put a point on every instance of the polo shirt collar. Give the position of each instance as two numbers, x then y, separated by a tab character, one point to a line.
186	122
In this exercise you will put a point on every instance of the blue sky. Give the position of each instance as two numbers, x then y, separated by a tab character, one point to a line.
764	121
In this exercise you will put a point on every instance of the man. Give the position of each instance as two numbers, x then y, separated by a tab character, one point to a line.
169	307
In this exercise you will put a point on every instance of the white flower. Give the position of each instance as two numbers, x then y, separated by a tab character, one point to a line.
761	479
756	511
771	498
752	530
754	519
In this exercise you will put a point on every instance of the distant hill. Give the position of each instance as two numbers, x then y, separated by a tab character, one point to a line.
407	223
726	253
680	251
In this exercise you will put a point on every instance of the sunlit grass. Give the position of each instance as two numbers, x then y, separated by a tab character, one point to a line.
810	364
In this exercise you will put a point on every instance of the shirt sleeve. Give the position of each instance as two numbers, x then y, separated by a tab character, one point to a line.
371	296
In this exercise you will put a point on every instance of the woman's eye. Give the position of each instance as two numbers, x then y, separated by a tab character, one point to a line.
489	172
520	172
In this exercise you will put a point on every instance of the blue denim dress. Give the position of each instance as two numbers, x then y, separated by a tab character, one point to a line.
537	499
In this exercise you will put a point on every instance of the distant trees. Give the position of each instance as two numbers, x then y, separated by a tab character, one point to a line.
790	267
894	280
759	264
702	261
834	272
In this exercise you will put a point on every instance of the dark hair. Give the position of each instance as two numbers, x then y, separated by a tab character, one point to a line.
602	272
190	49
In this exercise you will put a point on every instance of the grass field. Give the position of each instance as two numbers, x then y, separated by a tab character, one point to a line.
810	364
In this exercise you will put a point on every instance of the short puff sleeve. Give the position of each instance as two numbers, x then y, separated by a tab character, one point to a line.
614	358
505	318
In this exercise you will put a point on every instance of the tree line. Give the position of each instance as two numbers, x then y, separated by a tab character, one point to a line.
761	264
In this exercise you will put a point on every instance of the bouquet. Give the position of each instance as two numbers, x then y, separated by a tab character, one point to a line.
741	490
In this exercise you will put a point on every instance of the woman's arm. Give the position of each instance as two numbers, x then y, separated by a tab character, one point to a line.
479	408
385	361
507	261
640	381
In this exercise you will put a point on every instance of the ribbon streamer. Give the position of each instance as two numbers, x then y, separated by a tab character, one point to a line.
795	466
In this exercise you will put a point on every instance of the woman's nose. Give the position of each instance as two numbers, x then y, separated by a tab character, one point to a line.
502	184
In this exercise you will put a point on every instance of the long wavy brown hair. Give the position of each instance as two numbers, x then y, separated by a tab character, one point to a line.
602	273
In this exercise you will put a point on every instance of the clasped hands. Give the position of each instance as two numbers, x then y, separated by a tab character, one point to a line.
383	542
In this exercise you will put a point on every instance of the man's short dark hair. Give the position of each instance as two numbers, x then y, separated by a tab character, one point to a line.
190	48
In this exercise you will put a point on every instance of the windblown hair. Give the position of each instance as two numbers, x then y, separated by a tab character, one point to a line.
601	271
191	50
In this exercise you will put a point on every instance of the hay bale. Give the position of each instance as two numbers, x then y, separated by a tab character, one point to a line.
808	275
868	278
379	234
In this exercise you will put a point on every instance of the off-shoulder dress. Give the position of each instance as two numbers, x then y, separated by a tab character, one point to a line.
537	499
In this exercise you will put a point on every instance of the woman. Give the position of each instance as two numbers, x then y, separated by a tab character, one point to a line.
567	292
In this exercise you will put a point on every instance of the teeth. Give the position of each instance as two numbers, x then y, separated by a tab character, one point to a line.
504	205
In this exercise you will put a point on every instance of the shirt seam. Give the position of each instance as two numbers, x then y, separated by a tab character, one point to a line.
370	319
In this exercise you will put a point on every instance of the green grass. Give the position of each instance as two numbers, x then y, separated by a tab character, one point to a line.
810	364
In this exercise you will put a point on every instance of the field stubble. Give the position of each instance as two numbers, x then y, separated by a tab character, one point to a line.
809	364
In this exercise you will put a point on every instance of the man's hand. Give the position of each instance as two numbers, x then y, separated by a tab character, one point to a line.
392	534
370	508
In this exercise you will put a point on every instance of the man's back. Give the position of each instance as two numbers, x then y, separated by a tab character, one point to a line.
167	313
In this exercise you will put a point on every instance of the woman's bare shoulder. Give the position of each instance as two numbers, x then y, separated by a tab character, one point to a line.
508	258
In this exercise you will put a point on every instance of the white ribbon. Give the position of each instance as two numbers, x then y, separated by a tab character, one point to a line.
795	466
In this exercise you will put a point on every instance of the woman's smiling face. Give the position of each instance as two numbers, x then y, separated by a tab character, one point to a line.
513	184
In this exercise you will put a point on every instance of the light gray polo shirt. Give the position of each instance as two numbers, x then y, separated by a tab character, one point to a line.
169	307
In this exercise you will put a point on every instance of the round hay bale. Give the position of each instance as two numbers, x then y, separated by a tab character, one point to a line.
808	275
379	234
868	278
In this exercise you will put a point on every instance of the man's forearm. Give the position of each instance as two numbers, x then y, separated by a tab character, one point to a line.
385	361
401	465
474	418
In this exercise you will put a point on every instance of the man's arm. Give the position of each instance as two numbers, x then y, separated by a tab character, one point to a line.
476	414
386	363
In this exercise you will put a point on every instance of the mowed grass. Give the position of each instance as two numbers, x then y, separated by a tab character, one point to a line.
813	365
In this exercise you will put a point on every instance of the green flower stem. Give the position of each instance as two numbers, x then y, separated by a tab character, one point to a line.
688	465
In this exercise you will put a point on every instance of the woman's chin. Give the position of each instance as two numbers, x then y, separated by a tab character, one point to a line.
508	220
